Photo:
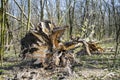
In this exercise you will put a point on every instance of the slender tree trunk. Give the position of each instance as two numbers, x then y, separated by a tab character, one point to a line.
71	16
47	9
117	32
102	22
109	16
29	15
58	10
2	31
42	2
85	18
8	32
70	20
21	16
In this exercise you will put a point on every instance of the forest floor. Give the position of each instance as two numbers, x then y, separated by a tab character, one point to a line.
95	67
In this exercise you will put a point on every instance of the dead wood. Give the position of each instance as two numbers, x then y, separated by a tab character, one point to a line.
92	48
44	44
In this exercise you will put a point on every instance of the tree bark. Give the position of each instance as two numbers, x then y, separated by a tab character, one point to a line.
42	2
2	31
58	10
29	15
71	16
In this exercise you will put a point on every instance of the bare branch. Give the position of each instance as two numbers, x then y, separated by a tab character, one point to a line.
23	13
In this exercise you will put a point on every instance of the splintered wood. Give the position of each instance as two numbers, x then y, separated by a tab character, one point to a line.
91	48
43	44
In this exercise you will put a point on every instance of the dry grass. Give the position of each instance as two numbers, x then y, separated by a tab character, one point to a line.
95	67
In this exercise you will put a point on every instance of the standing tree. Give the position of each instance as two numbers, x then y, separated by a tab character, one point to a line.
42	3
117	30
58	9
71	15
29	15
2	20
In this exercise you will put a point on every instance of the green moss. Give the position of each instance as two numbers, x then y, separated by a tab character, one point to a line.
1	71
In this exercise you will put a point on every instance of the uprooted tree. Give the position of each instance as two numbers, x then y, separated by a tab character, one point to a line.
43	43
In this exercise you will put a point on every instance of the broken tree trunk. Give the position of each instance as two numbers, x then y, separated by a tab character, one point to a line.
44	44
91	48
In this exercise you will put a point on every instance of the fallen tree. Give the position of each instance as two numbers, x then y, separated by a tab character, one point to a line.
43	43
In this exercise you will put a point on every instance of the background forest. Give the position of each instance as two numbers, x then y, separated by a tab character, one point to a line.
95	20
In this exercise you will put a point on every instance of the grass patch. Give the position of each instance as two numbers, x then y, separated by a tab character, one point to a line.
99	61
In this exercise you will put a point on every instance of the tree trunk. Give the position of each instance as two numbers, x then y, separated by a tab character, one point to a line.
71	16
58	10
2	31
117	27
42	2
29	15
